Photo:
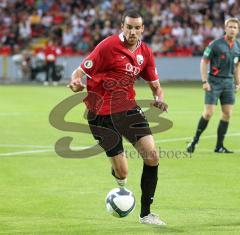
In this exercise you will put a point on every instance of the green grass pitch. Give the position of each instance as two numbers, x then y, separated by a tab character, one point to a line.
42	193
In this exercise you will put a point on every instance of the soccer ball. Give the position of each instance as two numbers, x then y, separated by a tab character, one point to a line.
120	202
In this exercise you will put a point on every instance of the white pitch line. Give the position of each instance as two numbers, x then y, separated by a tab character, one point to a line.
3	114
26	152
83	147
189	138
37	146
51	150
24	146
80	147
37	151
211	151
10	114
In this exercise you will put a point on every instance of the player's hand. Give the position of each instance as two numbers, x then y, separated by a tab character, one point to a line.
76	86
160	104
206	87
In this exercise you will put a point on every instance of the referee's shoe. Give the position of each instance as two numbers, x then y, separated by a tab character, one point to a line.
222	149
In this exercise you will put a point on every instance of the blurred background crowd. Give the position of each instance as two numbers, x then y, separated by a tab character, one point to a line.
172	27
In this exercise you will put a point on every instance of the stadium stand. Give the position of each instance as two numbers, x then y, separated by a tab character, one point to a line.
173	27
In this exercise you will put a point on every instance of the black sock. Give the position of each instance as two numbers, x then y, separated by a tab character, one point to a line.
148	185
202	125
222	130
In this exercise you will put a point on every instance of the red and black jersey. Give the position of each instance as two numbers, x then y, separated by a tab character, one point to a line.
112	69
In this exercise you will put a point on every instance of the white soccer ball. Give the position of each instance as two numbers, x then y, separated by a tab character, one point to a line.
120	202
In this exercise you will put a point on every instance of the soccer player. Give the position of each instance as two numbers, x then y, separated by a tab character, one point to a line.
223	55
111	70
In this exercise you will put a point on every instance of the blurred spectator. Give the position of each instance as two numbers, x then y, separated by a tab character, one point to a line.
11	36
83	46
46	21
177	31
156	45
187	36
217	31
107	29
168	44
68	37
51	52
198	42
197	38
25	31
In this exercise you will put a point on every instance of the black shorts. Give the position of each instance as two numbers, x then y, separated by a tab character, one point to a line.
109	129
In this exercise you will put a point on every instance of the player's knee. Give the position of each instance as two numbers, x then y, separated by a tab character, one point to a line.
207	115
152	158
226	116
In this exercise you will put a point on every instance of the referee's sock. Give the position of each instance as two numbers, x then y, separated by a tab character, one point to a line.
202	125
148	186
222	130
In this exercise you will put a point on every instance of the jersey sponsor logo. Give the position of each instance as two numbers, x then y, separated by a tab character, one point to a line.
88	64
207	51
235	60
113	83
139	59
132	69
156	72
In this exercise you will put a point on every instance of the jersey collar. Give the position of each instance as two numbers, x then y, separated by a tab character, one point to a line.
231	44
122	39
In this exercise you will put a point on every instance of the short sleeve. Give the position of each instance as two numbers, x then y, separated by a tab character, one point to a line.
149	73
208	52
94	62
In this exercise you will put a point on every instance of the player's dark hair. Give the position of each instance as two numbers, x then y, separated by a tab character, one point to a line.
131	14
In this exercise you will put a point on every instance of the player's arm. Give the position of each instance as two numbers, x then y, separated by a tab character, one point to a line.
237	77
207	56
156	90
158	95
76	83
94	63
203	69
150	74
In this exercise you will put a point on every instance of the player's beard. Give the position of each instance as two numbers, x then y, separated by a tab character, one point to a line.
132	40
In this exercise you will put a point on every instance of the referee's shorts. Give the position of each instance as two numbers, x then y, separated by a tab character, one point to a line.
221	89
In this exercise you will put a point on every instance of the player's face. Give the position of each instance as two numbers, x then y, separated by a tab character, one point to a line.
231	29
132	29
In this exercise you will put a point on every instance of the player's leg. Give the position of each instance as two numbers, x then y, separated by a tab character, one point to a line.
119	168
211	98
147	149
110	140
134	126
54	74
202	125
203	122
227	100
46	82
222	128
